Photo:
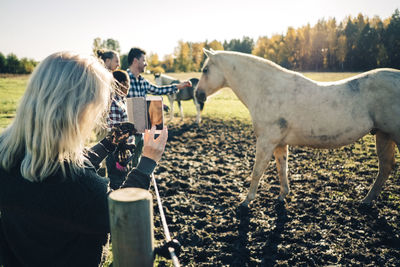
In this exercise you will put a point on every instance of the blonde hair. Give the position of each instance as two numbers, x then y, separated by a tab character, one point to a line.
66	96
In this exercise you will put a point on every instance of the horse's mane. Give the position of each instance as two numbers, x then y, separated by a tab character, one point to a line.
258	62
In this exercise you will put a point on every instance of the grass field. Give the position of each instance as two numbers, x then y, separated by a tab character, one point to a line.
11	90
224	104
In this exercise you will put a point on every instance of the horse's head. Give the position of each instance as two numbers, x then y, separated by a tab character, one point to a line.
157	78
212	77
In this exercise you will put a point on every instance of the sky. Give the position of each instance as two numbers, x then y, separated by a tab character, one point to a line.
38	28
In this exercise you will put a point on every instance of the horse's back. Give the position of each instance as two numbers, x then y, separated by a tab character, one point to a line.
188	92
185	94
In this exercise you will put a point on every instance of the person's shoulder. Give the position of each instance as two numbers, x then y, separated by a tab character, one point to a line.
4	175
90	180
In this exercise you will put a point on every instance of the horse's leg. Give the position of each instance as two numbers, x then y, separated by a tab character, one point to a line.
180	109
385	148
171	104
198	118
281	158
263	155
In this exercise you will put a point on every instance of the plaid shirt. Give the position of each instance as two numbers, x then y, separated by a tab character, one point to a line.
141	87
118	111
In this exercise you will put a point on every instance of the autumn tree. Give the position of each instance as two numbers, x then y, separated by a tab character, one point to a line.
183	57
215	45
392	40
168	63
245	45
153	64
197	55
3	63
109	43
354	44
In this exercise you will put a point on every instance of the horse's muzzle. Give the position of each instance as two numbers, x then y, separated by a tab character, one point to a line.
200	95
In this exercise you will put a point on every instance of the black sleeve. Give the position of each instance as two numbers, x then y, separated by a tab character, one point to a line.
99	152
140	177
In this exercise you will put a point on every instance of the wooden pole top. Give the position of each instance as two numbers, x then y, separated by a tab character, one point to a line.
130	194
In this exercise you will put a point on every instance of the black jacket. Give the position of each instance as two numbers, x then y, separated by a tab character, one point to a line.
62	221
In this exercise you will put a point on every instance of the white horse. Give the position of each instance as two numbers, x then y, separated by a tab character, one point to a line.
289	109
184	94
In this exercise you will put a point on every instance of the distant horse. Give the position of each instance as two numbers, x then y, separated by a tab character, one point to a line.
289	109
184	94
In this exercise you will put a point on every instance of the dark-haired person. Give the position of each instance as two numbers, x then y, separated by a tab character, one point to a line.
117	171
140	86
110	58
53	205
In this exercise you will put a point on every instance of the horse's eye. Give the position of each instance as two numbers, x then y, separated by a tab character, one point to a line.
205	70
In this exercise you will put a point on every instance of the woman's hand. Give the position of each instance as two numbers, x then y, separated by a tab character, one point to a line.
154	148
183	85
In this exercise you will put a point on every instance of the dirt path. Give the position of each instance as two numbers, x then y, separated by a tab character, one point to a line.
202	181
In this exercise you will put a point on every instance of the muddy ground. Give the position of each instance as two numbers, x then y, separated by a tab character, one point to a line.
202	180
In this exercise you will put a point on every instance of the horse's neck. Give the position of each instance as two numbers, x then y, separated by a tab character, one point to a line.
249	78
243	77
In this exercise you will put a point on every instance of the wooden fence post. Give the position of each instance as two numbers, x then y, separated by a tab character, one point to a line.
132	231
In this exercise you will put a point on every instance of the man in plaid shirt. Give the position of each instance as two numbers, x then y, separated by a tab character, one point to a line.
140	87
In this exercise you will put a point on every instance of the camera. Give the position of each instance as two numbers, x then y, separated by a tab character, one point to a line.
146	112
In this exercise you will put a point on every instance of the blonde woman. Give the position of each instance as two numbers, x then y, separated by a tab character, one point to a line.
53	204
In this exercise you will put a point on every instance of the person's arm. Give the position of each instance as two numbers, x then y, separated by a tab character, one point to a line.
92	216
166	89
99	152
183	85
119	134
160	90
152	152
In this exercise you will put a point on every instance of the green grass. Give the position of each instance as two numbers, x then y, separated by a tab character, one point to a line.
11	90
224	104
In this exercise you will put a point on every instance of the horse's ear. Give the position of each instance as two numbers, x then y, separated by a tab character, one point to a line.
208	53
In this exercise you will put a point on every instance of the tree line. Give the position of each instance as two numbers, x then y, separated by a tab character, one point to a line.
355	44
13	65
